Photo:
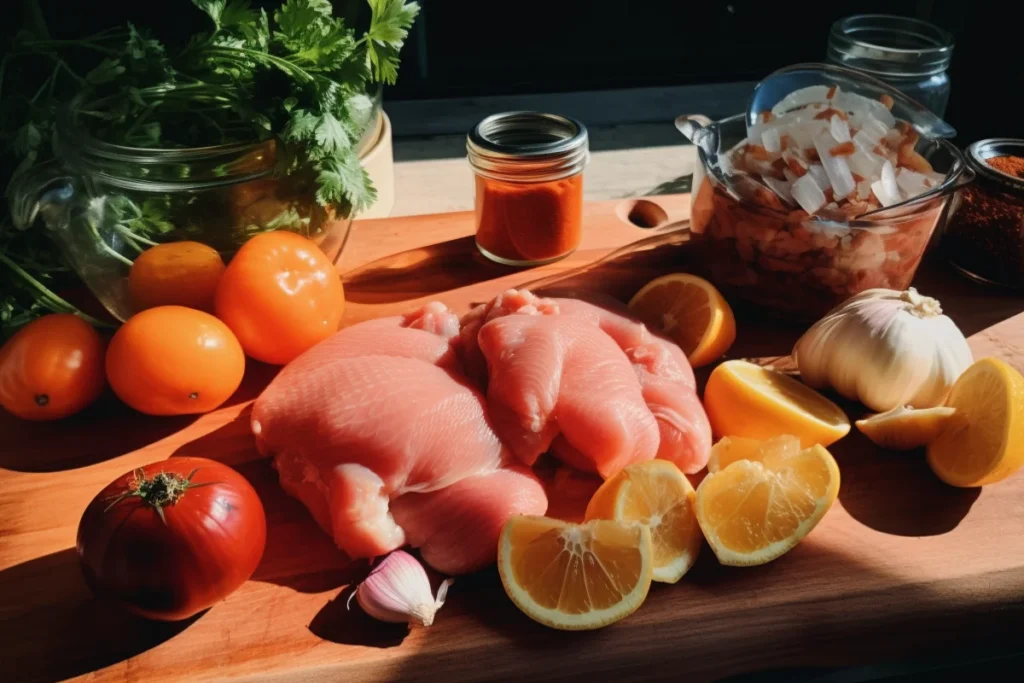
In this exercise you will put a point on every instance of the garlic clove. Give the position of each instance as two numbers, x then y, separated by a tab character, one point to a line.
398	591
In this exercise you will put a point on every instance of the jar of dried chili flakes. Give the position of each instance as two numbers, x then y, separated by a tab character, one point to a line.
528	169
985	233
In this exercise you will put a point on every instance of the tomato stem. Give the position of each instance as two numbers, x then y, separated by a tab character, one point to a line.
158	491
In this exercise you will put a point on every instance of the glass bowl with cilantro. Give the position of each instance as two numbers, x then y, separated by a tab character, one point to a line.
254	125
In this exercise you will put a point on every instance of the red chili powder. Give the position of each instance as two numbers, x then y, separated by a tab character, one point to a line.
1011	165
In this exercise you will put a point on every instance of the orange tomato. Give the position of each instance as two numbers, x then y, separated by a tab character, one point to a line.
176	274
280	295
51	368
172	360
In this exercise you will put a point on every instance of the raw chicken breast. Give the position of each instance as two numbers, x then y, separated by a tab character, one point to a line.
554	374
474	511
378	412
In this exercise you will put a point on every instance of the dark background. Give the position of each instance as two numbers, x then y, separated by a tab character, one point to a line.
461	49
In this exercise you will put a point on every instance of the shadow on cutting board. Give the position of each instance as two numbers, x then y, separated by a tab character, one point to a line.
723	621
67	632
896	492
83	439
421	272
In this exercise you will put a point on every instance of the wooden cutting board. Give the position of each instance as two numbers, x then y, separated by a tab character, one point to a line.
902	566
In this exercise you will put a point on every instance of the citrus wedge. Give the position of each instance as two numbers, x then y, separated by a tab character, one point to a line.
904	428
753	512
743	399
657	494
691	312
729	449
575	576
985	444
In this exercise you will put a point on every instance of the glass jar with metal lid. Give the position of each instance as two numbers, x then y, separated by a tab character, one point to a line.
528	169
984	237
908	53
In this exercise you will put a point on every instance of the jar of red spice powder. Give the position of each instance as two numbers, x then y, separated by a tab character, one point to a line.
984	236
528	171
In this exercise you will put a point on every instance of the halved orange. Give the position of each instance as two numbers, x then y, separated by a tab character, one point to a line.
753	512
729	449
904	428
986	442
657	494
575	576
744	399
691	312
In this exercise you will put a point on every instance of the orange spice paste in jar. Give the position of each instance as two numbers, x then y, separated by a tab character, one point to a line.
529	186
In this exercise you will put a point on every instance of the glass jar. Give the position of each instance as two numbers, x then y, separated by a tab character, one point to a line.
908	53
985	234
104	204
799	266
528	171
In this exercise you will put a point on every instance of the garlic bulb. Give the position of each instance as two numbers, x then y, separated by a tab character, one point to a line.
886	349
398	590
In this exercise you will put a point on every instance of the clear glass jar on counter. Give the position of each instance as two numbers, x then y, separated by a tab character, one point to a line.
528	170
910	54
104	204
985	234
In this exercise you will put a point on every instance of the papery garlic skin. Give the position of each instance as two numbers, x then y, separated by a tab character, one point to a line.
398	591
885	348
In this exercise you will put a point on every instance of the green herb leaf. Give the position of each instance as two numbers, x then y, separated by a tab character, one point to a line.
343	181
389	26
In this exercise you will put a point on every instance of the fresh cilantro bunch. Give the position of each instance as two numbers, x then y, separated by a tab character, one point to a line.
299	76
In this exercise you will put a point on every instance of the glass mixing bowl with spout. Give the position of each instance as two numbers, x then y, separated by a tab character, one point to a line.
782	259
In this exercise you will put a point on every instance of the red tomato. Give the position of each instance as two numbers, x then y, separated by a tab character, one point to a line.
172	538
280	295
51	368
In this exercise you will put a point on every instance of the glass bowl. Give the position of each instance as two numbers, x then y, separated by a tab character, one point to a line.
803	266
104	204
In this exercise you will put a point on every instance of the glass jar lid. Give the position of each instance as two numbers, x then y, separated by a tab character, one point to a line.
525	146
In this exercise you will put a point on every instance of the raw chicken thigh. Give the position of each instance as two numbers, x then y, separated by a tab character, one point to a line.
593	386
377	432
383	433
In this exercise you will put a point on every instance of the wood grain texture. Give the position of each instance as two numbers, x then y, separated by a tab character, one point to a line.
902	566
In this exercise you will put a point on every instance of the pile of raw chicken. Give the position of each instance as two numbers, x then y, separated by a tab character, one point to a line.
424	429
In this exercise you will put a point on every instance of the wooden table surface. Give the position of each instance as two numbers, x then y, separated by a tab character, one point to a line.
902	565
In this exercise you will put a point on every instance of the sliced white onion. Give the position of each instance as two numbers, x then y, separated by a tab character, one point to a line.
803	133
817	171
860	106
839	129
836	168
807	194
865	163
801	98
771	140
864	189
790	176
866	140
885	188
911	182
779	187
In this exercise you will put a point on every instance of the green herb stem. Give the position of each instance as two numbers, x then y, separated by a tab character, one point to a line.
49	298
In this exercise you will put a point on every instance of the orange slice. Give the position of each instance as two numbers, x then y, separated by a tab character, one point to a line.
986	442
743	399
691	312
732	448
657	494
904	428
753	512
575	576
